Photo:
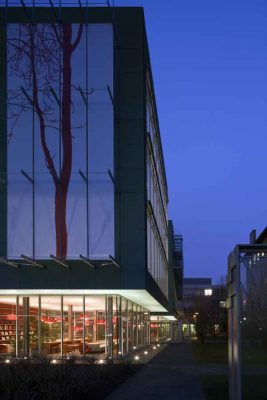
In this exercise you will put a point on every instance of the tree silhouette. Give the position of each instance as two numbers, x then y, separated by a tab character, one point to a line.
40	56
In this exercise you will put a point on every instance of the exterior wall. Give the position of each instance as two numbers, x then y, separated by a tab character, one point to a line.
160	329
130	146
133	140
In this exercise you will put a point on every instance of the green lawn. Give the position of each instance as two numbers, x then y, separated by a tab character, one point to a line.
254	355
218	353
216	387
210	352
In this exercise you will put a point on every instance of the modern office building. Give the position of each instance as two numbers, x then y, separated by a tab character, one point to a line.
83	192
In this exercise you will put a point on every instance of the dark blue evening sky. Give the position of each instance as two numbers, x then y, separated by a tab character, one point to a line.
209	61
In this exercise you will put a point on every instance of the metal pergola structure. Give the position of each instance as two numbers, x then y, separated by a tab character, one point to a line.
254	253
55	6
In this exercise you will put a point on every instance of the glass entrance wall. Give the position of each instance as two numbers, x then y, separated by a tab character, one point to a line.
247	319
71	325
160	329
253	313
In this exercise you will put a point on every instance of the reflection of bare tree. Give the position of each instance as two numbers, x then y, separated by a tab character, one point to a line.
254	298
39	56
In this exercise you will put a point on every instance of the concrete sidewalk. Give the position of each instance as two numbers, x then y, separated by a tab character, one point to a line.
170	375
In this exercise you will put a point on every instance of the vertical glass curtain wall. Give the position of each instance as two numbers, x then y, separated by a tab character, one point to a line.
62	326
247	319
157	225
60	192
160	330
253	318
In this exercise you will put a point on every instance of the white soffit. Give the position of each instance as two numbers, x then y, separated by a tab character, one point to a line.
141	297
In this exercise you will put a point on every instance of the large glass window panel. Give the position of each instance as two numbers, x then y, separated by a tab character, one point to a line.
77	217
124	326
130	325
95	325
19	216
45	234
100	109
101	216
8	325
51	320
58	103
116	325
72	326
253	321
100	120
28	326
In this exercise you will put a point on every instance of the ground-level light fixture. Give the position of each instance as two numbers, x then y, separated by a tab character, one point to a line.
54	361
7	361
101	361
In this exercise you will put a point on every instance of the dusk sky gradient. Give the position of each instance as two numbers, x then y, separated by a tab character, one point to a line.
209	62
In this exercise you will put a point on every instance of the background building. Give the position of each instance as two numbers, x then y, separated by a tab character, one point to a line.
204	309
84	224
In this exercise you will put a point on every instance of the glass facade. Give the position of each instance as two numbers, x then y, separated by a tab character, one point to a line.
62	326
253	317
157	218
160	329
59	140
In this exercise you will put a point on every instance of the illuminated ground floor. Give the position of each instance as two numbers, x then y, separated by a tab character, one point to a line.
76	325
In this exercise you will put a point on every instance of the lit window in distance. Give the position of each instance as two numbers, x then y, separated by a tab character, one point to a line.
208	292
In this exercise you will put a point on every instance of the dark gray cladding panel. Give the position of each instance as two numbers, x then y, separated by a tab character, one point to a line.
55	276
131	151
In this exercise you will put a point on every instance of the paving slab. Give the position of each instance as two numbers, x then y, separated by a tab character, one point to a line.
170	375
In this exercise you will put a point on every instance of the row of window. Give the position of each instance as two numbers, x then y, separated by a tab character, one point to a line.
156	259
156	145
153	195
71	325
